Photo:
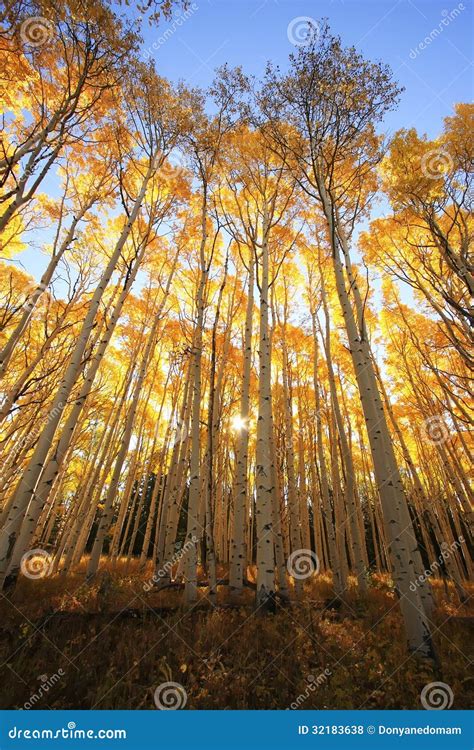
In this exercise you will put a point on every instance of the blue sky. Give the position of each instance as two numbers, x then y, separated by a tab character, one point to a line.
250	32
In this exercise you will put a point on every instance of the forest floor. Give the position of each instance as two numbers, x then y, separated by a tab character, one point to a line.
109	645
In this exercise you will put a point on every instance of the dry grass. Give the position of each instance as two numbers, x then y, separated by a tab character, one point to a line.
116	644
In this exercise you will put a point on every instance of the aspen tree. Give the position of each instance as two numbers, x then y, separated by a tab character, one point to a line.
204	144
319	146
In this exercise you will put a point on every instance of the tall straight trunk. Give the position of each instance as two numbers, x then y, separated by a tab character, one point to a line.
169	516
240	489
368	496
264	470
358	503
303	487
194	527
292	490
280	559
351	513
408	533
334	560
340	526
212	430
315	494
176	497
404	551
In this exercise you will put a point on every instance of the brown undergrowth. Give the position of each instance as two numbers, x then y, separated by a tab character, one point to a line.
109	644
